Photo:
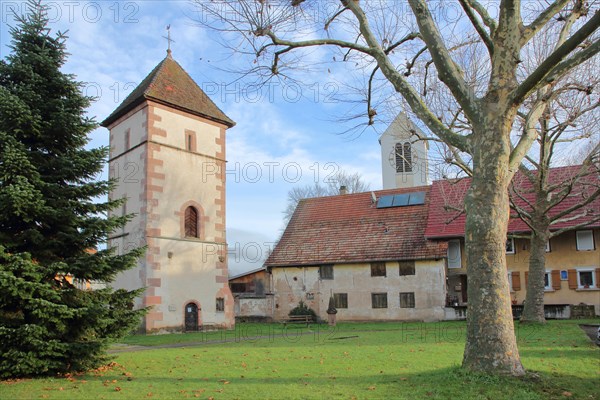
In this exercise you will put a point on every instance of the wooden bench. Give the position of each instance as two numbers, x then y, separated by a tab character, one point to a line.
298	319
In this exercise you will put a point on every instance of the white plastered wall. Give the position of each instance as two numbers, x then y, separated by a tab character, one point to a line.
293	284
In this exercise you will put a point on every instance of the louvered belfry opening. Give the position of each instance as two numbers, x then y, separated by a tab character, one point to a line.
403	157
191	222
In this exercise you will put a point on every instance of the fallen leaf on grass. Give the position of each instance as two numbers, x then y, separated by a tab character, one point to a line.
118	389
371	388
567	394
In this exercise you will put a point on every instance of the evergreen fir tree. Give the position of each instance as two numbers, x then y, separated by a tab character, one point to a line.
51	221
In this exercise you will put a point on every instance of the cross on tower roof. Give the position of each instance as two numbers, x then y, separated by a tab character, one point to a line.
169	40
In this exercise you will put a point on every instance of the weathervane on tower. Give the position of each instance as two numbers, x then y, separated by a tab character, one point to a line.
169	40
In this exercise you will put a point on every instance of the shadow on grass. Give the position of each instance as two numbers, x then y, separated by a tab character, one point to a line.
443	383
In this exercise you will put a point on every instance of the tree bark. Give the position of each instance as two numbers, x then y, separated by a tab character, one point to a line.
533	311
491	344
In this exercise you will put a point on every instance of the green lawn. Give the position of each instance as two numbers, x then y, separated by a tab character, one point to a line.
374	360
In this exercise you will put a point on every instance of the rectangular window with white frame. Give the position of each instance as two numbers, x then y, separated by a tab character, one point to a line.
585	240
510	246
547	280
586	278
454	258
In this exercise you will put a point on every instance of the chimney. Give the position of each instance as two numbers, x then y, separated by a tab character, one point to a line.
343	190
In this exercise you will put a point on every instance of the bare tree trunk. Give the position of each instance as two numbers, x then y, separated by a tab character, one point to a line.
491	344
533	311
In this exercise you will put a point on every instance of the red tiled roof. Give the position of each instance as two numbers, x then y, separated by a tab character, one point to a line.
446	199
350	229
169	84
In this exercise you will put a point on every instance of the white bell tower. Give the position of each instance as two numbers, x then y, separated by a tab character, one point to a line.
403	155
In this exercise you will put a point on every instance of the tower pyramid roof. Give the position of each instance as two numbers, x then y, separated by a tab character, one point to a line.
171	85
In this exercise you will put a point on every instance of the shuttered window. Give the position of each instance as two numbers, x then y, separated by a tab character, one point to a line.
403	157
555	279
572	278
515	280
586	278
191	222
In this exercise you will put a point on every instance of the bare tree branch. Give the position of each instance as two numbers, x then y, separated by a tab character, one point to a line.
448	71
477	25
403	87
485	16
530	30
554	66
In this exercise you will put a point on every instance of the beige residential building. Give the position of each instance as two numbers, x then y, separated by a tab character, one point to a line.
368	251
572	280
167	152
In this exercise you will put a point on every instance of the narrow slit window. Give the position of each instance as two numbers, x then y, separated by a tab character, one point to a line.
190	140
127	139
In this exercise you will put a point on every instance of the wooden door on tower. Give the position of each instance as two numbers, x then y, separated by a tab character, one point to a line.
191	317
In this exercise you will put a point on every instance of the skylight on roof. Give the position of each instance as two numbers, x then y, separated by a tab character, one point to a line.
401	200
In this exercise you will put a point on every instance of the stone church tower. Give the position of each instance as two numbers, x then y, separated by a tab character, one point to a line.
403	156
167	153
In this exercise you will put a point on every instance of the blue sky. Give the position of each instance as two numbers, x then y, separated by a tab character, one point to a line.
286	134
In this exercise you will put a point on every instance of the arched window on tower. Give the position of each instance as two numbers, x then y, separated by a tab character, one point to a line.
403	157
191	222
